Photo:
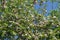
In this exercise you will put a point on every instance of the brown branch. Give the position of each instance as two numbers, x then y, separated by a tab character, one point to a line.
34	1
3	4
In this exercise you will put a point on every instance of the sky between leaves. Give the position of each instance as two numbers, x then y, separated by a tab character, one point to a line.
48	7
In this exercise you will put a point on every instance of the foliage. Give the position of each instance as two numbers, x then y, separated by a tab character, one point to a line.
55	13
20	21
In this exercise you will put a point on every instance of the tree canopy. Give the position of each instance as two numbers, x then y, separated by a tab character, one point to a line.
20	21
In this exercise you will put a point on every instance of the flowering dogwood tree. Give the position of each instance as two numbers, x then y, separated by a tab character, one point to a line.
20	21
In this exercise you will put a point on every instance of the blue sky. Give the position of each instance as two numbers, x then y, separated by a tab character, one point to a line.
48	7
